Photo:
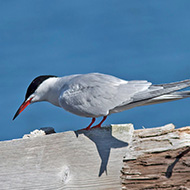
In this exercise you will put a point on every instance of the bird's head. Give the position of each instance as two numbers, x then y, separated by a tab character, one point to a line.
35	92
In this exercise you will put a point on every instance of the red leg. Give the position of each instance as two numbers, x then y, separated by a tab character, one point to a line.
88	128
99	125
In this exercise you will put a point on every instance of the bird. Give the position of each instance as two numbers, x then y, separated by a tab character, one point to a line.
96	95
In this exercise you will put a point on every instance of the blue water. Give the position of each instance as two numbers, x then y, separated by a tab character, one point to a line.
129	39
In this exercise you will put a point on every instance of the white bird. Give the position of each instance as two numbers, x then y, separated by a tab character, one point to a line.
94	95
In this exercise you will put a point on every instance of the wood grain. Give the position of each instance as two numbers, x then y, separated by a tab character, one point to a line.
70	160
110	158
161	160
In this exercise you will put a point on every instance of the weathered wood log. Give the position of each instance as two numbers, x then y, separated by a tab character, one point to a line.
158	158
154	159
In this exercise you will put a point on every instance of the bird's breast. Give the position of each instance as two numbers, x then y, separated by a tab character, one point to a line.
77	102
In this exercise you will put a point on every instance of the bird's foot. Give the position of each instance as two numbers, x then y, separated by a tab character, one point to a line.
88	128
96	126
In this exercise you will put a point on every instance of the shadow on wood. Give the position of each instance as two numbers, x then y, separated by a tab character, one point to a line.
65	161
171	166
92	160
104	142
158	158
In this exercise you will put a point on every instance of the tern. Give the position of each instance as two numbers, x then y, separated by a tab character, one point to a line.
99	95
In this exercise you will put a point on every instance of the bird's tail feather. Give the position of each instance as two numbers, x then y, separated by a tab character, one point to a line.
169	97
157	94
156	91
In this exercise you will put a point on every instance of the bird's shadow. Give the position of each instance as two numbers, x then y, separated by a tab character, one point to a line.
104	142
170	168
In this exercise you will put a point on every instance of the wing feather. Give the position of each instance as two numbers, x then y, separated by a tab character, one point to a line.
94	95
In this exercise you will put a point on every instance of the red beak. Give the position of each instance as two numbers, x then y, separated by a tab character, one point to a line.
22	107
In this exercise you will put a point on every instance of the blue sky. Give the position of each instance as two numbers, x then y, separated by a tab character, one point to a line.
146	40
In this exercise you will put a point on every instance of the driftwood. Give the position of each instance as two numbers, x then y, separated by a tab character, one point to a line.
158	158
114	157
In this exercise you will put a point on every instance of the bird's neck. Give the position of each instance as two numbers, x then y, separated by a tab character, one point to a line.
50	91
54	91
52	88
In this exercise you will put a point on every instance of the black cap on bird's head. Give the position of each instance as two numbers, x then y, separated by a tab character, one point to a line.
30	90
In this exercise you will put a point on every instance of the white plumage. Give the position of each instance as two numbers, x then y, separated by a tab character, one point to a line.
94	94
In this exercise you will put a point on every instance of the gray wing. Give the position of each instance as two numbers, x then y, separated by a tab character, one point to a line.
94	95
156	94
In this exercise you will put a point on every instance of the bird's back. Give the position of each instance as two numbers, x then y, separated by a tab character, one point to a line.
95	94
